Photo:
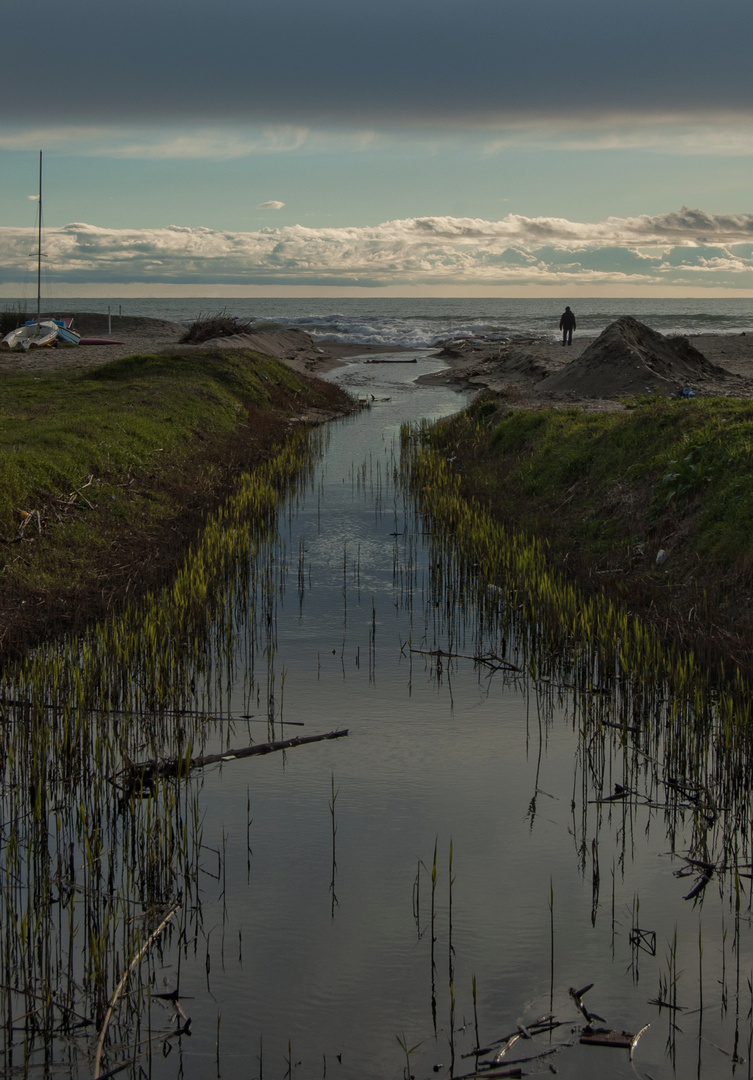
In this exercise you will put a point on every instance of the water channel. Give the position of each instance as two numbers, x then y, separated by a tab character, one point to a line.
340	964
387	902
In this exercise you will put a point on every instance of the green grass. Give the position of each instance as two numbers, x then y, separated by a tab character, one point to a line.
608	491
141	413
100	468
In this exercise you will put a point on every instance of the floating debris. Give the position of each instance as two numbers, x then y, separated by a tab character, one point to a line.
591	1036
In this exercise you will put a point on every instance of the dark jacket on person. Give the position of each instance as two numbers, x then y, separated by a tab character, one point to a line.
567	320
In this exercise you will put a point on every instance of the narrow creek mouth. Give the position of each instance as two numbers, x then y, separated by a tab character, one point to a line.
484	840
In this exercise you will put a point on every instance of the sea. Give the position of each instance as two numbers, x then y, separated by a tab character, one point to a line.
424	323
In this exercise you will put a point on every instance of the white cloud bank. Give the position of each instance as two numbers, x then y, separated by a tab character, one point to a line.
686	249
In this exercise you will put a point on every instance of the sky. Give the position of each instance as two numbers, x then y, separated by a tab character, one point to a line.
410	147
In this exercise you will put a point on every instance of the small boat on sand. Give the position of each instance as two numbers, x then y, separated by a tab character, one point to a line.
66	334
37	334
32	335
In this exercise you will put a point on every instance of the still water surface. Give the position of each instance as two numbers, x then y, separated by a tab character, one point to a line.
317	955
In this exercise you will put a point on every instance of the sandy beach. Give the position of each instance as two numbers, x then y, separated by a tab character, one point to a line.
130	335
520	369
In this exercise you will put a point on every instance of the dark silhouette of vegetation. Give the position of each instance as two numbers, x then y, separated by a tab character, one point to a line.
208	327
10	318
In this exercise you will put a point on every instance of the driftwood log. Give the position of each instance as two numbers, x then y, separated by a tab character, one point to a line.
146	772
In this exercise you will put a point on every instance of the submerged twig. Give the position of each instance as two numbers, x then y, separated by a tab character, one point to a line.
577	995
493	661
126	975
698	888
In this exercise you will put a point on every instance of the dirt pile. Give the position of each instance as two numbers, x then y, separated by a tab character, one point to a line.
629	358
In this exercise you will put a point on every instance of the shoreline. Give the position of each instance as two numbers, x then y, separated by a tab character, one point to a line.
512	367
138	334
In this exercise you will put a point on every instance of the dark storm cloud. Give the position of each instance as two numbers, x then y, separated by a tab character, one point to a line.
399	61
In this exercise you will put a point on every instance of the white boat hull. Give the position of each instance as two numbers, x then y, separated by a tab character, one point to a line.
34	336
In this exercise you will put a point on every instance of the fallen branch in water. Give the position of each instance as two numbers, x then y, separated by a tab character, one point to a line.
126	975
700	885
494	1073
544	1024
145	772
577	996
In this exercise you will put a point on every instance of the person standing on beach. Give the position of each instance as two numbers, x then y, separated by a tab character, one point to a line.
567	325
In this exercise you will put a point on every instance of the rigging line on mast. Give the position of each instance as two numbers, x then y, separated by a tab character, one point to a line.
39	243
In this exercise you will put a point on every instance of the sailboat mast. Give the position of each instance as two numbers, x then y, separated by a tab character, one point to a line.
39	243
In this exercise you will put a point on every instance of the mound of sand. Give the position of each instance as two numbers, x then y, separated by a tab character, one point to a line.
523	366
629	358
94	324
278	342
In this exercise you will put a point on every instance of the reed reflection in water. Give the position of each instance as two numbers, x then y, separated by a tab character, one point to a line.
491	833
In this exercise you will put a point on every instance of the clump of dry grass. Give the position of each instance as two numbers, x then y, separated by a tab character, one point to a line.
207	327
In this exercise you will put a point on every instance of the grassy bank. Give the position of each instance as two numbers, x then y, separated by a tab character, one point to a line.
105	475
652	506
